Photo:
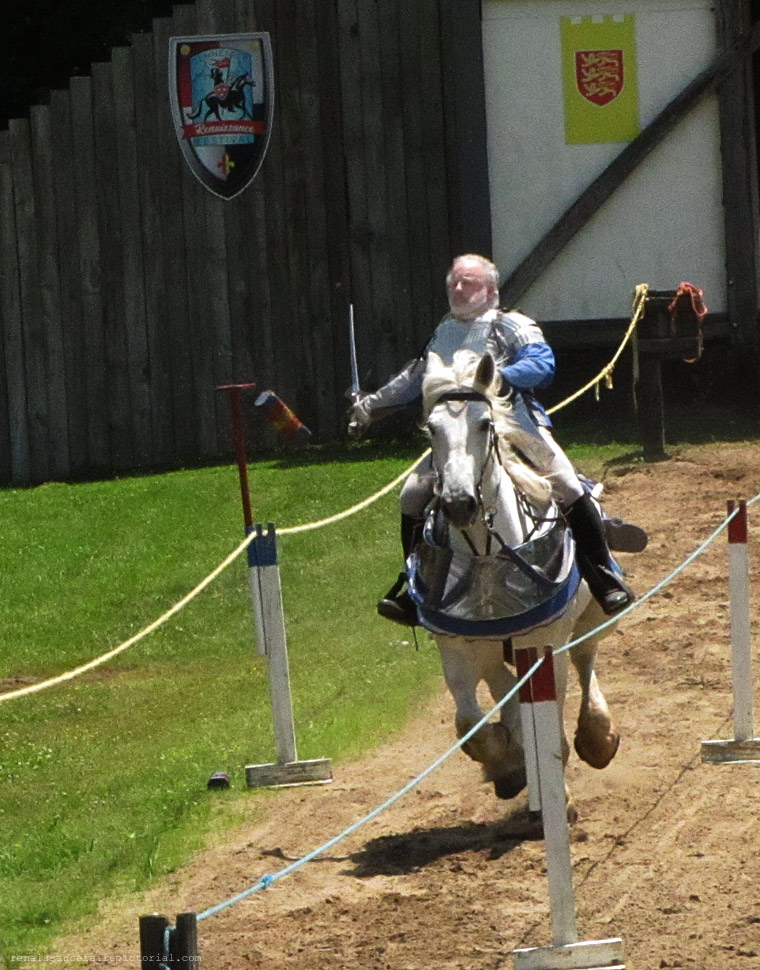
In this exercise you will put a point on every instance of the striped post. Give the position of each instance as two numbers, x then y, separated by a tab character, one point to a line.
744	747
542	741
270	635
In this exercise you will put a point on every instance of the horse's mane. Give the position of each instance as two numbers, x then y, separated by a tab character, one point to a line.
461	376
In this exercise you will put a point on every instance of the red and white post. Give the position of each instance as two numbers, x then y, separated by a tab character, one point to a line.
744	746
542	741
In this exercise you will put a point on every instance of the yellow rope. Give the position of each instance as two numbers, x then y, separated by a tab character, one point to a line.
70	674
604	375
639	302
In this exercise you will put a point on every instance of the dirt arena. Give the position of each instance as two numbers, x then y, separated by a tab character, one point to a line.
665	849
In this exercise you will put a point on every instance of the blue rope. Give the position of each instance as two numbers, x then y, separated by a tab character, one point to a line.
660	586
268	880
166	954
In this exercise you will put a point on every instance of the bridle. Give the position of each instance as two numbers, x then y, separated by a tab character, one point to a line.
492	453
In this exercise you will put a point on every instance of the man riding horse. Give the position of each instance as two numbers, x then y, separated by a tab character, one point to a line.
526	363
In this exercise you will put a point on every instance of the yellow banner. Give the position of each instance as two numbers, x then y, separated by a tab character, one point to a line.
599	78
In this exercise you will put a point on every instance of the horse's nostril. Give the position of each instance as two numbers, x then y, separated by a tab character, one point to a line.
459	510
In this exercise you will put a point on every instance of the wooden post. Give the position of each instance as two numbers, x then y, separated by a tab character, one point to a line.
152	937
736	107
744	747
270	636
185	941
651	408
653	344
540	712
162	945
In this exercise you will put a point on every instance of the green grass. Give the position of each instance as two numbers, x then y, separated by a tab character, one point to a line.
103	778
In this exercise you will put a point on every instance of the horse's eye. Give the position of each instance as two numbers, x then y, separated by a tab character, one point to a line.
484	424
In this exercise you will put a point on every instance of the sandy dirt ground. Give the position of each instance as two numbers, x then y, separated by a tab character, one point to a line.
665	851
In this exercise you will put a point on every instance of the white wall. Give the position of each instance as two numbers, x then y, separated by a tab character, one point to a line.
665	223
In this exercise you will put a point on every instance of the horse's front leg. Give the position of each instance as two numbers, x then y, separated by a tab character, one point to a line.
496	746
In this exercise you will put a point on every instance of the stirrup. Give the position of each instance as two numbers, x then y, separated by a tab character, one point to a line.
400	610
398	606
615	600
609	590
606	586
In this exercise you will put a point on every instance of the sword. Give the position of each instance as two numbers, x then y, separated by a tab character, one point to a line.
353	393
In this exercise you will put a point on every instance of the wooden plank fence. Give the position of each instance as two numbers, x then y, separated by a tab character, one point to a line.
128	291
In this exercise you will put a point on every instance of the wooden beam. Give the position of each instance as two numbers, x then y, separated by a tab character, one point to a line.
740	189
465	117
587	204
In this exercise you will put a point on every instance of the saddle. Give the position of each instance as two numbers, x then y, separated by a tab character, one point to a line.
495	595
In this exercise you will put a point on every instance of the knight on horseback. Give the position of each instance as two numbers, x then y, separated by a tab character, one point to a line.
526	363
225	96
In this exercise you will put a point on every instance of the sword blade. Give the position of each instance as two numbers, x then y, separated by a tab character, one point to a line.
355	392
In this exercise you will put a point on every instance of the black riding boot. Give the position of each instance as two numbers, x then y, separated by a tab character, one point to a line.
397	605
593	556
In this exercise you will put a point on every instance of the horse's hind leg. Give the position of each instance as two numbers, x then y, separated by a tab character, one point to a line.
596	739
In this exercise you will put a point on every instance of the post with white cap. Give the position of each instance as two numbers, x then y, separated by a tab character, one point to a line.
542	741
743	747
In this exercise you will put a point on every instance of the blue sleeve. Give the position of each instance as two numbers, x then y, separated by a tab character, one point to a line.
532	367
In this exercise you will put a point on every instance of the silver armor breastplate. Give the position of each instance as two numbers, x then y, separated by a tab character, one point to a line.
452	335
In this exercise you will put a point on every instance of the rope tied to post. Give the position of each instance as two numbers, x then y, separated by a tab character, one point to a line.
605	374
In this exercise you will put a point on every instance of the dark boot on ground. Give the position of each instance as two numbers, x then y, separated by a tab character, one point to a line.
397	605
593	555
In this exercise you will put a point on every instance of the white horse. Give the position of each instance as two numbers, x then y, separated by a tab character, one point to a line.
488	505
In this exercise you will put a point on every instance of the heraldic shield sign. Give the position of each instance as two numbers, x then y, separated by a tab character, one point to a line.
222	95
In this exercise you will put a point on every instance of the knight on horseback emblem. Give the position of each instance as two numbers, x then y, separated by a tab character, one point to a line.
221	91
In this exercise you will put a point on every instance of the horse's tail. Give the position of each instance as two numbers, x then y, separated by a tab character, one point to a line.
194	114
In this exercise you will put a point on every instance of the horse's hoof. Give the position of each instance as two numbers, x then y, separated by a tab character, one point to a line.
508	786
595	758
536	819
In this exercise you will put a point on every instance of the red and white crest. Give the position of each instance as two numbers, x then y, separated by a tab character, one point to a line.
599	75
222	94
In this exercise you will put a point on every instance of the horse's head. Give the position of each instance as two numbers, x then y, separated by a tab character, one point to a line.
459	422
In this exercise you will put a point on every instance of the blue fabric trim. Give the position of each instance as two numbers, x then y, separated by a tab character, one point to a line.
262	551
531	367
540	615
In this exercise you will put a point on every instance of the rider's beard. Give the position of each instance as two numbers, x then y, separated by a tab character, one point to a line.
465	308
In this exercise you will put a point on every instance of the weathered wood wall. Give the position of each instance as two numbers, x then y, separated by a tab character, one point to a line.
128	292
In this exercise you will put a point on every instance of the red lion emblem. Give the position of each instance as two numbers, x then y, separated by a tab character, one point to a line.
599	75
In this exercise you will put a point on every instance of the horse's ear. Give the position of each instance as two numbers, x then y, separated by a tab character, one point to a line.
434	362
484	375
